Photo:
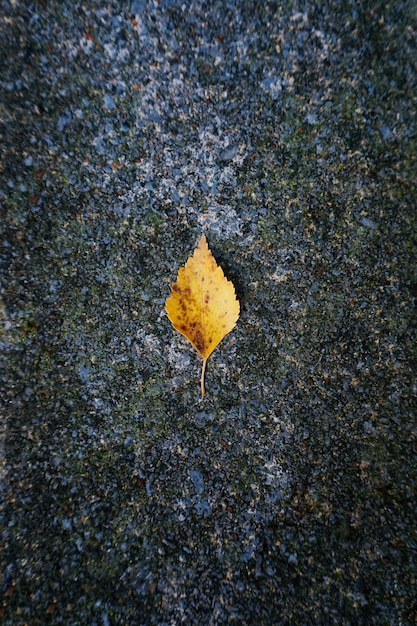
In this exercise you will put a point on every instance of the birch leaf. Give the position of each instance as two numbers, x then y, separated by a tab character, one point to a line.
203	305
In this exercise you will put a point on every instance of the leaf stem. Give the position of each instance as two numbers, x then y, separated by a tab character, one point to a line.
203	371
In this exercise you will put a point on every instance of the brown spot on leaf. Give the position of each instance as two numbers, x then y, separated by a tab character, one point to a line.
199	341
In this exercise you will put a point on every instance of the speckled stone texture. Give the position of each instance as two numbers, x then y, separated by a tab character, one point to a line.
286	132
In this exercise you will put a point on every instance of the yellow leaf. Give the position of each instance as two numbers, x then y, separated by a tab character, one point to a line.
203	305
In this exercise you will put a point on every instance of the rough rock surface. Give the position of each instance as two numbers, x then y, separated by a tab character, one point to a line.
286	132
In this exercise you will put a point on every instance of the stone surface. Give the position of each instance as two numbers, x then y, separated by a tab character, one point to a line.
286	133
